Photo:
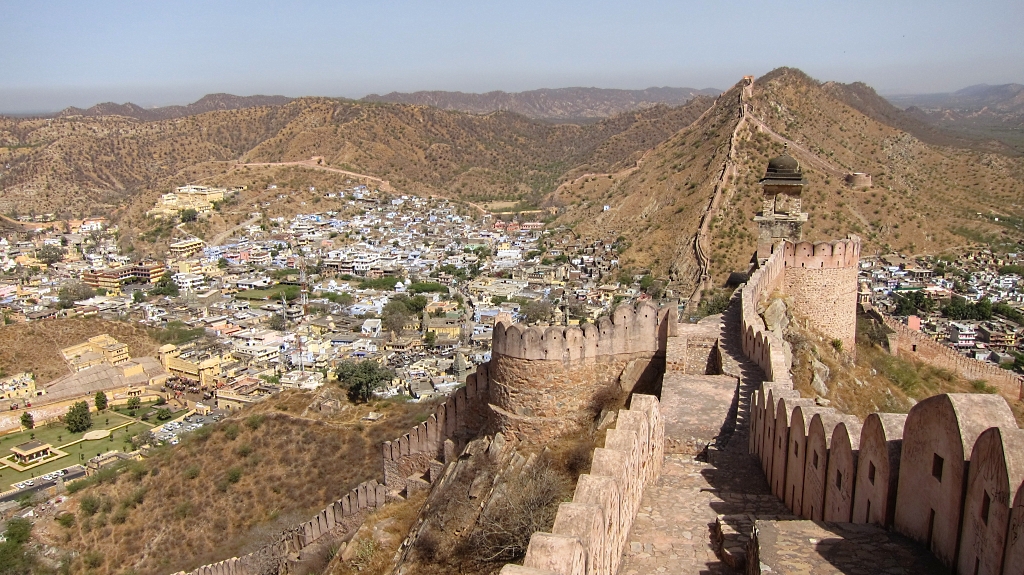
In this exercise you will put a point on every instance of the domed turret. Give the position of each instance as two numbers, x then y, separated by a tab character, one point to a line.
781	216
783	170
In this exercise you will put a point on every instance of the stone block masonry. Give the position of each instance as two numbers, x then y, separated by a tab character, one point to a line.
949	475
547	381
590	533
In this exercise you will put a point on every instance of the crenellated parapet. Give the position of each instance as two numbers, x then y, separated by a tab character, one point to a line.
760	344
843	253
949	475
410	462
628	330
590	532
421	451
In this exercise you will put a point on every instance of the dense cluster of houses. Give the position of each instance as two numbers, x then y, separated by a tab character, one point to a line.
976	277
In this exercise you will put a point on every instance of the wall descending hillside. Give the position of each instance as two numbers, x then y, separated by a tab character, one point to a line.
949	475
912	343
440	438
410	463
590	532
546	381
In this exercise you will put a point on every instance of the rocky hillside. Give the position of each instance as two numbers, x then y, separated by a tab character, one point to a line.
562	104
82	165
978	112
926	197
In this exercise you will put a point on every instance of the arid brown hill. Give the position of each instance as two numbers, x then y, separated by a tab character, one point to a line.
207	103
80	165
562	104
925	198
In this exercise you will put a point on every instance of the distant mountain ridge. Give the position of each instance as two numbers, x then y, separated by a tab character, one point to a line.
979	111
550	104
1001	97
207	103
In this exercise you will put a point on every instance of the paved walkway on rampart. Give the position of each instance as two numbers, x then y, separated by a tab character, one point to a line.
672	531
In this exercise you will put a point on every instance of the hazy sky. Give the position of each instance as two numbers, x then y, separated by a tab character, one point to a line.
152	52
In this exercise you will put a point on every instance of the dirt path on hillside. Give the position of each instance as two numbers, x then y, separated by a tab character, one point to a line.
316	163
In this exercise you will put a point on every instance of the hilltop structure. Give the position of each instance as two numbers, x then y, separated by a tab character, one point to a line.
780	217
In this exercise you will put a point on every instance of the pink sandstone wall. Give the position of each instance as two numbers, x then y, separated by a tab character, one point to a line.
943	475
546	381
590	532
914	344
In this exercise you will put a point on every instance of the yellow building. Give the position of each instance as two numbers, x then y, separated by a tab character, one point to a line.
202	368
97	350
18	386
186	248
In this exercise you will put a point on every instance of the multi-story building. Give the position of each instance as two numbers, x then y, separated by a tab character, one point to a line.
962	335
186	248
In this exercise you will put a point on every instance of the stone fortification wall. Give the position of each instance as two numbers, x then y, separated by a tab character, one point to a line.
589	533
410	462
759	344
436	441
950	474
822	281
546	381
912	343
928	475
341	516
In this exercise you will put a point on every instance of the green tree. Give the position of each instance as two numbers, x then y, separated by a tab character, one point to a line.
276	322
71	292
362	378
189	215
134	403
165	287
78	418
27	421
536	311
51	254
430	339
223	263
138	296
163	414
100	401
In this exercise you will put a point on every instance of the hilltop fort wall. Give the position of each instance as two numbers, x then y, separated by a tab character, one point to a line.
914	344
821	279
589	533
410	462
950	474
546	381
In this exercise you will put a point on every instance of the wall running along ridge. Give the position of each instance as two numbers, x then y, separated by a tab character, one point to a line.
410	462
590	533
547	381
950	474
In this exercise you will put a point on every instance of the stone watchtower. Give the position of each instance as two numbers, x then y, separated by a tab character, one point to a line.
780	217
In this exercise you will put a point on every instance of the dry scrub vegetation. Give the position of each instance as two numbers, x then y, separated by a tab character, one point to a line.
484	515
227	489
876	380
35	346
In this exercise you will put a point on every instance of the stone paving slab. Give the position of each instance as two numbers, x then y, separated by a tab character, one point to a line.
693	409
818	548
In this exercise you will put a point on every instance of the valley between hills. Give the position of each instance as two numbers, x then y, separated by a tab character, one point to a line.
647	176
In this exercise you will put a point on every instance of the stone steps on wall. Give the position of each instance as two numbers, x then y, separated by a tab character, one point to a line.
697	409
731	534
